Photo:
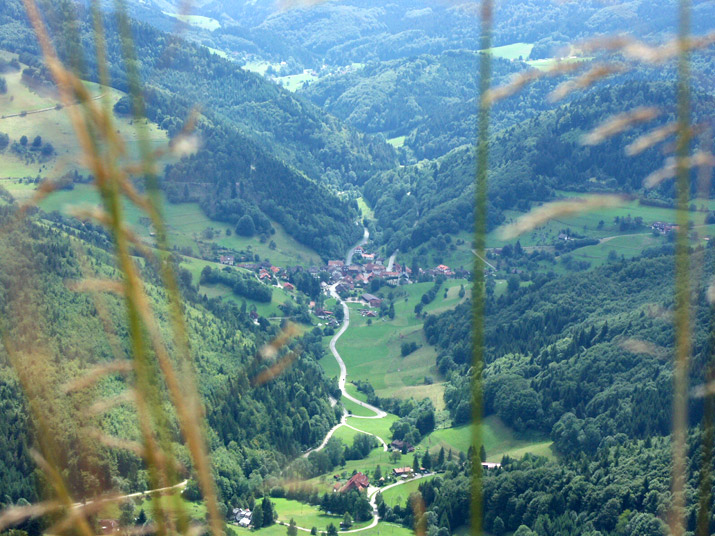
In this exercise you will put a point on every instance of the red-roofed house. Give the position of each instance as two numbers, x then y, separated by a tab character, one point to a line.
359	482
288	286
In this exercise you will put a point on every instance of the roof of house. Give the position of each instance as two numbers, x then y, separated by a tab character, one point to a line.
369	297
358	481
402	470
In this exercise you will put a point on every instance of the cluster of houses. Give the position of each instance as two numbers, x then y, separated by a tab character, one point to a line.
401	446
241	516
663	227
346	277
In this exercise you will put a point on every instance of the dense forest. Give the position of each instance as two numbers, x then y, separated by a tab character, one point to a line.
366	30
622	490
569	357
254	429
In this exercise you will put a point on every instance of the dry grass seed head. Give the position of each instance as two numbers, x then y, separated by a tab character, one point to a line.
619	123
648	140
549	211
587	79
670	169
97	373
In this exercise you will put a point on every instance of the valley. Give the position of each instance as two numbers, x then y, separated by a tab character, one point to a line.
297	356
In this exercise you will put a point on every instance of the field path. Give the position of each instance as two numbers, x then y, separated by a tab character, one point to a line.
379	414
180	485
47	109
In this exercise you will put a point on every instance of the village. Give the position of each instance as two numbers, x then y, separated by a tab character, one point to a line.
354	282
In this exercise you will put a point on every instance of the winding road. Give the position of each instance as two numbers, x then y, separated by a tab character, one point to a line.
379	414
180	485
362	242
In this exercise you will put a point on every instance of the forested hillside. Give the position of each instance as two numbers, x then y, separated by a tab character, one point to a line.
530	161
569	356
339	33
255	134
253	429
428	99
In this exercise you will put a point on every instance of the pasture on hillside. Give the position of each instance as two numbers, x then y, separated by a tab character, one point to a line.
29	112
188	227
373	352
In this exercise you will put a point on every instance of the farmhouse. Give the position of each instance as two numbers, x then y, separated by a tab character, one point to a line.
242	517
402	472
397	444
358	481
335	264
227	260
288	286
373	301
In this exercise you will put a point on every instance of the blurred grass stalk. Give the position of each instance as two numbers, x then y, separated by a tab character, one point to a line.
682	279
479	289
152	361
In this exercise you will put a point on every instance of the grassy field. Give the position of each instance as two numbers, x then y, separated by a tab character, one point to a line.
187	225
365	209
267	310
498	440
53	126
457	255
382	529
294	82
399	494
305	515
378	427
259	67
372	352
397	142
195	510
588	224
513	51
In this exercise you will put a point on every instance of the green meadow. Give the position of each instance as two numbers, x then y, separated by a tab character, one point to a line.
305	515
53	125
498	440
589	224
198	21
189	228
373	352
400	494
397	142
